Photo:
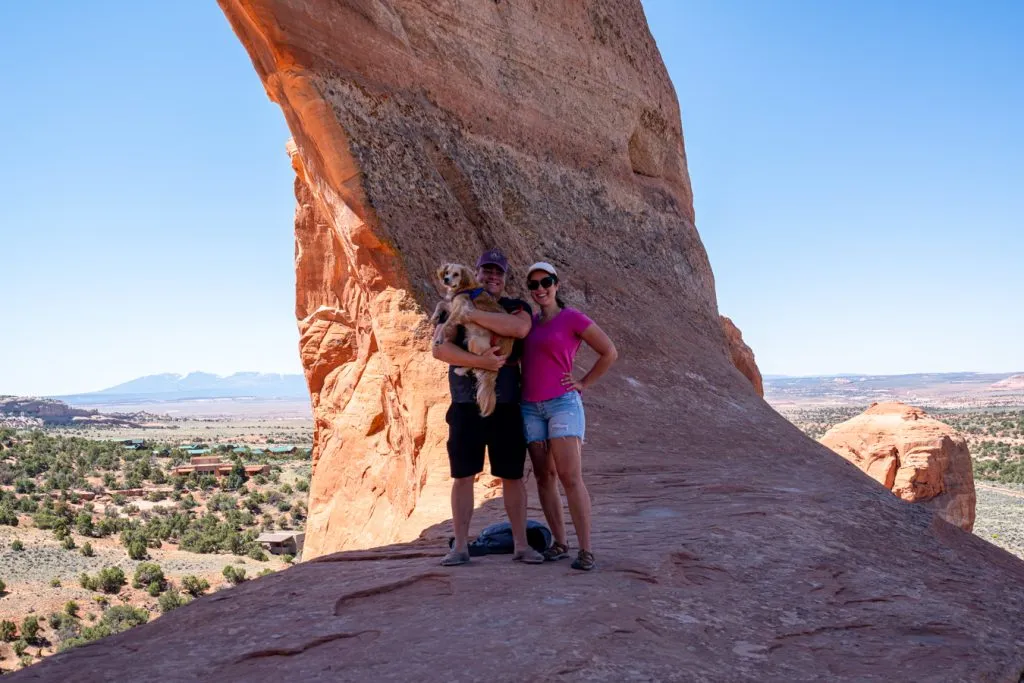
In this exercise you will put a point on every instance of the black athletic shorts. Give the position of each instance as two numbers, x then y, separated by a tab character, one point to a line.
501	433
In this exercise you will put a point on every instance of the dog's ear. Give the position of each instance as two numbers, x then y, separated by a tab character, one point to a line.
440	271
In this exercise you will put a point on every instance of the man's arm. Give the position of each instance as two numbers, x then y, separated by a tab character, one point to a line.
516	325
451	353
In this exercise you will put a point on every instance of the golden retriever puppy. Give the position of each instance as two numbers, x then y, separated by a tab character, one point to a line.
464	294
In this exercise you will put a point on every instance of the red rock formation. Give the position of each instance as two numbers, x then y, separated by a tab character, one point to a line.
918	458
742	356
424	135
730	546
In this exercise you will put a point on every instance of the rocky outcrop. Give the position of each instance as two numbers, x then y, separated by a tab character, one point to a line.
428	133
22	412
915	456
742	356
730	546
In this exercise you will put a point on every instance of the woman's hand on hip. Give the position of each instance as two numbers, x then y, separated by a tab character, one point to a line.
570	384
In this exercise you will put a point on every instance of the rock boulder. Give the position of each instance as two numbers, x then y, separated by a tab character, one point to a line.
915	456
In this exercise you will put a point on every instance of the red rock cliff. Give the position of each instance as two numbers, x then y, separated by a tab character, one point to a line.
742	355
426	133
730	546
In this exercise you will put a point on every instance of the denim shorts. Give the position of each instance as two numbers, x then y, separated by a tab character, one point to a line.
557	417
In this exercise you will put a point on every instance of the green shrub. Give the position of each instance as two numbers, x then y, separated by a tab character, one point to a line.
137	550
83	524
3	587
30	628
87	550
257	553
123	617
55	582
154	589
71	608
7	516
148	573
17	545
20	646
111	579
68	543
115	620
170	600
288	558
194	586
234	575
8	630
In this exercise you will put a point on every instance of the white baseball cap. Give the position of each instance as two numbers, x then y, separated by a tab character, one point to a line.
544	266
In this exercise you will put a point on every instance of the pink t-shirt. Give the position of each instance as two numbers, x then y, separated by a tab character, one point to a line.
548	353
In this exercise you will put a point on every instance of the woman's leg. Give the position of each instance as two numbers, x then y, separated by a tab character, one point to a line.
547	488
566	453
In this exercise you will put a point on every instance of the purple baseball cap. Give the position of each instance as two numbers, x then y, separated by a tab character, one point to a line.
493	257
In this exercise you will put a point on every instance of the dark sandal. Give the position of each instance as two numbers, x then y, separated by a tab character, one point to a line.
584	561
557	551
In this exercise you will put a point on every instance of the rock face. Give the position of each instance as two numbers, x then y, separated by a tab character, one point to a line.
425	134
431	130
742	356
918	458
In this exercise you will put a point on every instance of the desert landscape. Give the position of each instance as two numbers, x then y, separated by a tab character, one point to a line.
76	497
103	528
746	527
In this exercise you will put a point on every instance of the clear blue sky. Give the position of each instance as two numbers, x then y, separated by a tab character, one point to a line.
857	168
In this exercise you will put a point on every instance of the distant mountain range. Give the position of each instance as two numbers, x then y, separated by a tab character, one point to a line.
197	385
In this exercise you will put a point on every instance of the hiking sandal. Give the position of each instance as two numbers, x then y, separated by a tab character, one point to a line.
454	558
557	551
584	561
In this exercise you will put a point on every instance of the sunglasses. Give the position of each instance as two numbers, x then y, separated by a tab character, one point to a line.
544	282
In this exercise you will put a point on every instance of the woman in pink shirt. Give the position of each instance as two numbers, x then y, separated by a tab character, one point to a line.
553	417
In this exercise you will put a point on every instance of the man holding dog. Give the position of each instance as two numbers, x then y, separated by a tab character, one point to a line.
500	433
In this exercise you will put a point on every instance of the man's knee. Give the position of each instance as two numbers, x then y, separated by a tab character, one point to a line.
511	484
462	484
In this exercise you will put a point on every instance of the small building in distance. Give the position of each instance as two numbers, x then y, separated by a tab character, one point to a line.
282	542
212	464
281	450
134	444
